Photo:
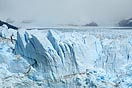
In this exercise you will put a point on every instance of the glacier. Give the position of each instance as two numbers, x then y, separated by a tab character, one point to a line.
66	57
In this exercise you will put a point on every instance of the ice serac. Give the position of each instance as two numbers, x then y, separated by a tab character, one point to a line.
54	60
78	57
13	68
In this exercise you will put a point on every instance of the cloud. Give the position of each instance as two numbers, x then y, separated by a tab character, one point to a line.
53	12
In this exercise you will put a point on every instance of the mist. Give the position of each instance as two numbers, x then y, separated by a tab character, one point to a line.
59	12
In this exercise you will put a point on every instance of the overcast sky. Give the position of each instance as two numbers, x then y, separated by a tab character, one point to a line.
55	12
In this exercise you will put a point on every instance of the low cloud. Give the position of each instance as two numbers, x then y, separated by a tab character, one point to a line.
54	12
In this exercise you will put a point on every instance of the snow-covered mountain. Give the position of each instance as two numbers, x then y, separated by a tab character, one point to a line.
126	22
66	58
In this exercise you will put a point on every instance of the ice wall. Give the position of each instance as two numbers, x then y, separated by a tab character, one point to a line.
66	57
56	53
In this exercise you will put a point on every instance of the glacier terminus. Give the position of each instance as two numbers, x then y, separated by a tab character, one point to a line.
89	57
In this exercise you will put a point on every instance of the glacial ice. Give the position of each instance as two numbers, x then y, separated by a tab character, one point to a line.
66	58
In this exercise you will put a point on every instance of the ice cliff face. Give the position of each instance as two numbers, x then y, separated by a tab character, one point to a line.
67	57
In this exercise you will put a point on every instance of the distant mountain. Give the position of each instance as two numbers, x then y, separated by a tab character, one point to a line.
126	22
84	25
91	24
8	25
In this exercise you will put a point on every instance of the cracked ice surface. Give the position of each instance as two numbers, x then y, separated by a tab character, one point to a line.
65	58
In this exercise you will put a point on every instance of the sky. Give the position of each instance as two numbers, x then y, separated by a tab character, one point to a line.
59	12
